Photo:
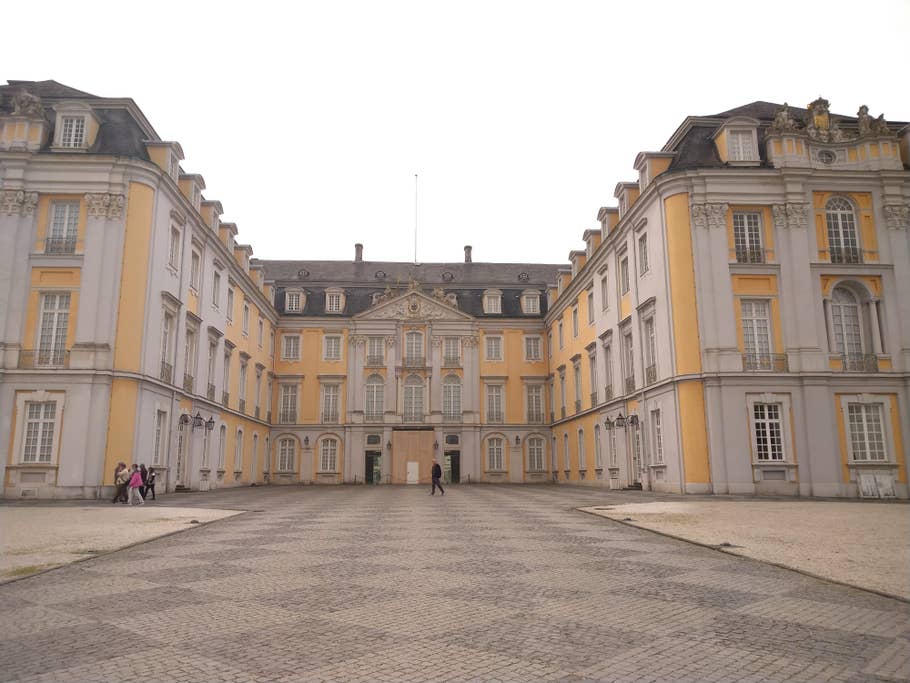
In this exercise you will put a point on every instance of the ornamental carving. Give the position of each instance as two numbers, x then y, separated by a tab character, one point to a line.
104	205
820	125
357	340
470	342
791	215
779	211
14	202
26	104
390	341
436	341
897	216
709	215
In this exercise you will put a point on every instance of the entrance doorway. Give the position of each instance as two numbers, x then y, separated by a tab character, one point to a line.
451	467
373	467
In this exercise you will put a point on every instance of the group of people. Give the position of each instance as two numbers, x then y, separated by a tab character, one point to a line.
136	483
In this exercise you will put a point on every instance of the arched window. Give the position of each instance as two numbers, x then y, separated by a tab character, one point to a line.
494	454
328	455
413	399
565	450
254	457
598	452
375	397
413	349
842	239
266	458
451	398
582	459
222	445
238	451
535	454
287	450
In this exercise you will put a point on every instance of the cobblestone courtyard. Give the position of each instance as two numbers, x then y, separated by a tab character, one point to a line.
390	584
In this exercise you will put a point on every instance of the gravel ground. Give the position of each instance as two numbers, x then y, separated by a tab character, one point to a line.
861	544
37	538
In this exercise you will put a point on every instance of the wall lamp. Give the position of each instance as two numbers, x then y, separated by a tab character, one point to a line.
621	422
306	441
517	440
388	445
435	445
198	421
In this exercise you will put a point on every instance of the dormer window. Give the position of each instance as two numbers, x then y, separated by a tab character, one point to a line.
739	145
175	167
73	131
334	301
294	301
530	303
75	127
737	141
492	301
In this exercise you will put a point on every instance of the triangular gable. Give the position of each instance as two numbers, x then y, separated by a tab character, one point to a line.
413	305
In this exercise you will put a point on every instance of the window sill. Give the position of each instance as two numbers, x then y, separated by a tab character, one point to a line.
873	464
33	466
773	463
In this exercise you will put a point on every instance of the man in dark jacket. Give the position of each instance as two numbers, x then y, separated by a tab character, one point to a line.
437	475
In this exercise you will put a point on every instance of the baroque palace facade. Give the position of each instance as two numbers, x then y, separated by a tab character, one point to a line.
738	323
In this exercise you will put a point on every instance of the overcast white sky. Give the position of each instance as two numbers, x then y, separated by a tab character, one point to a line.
309	120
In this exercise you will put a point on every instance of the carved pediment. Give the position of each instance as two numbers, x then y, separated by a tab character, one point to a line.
413	305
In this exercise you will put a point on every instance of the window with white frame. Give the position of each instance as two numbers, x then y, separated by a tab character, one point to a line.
846	322
492	301
534	401
376	351
643	262
334	301
576	376
242	389
756	322
61	237
768	430
590	306
608	367
330	393
532	348
552	388
331	347
650	350
843	241
210	367
292	302
191	348
612	440
598	449
328	456
246	319
195	270
867	432
288	404
230	305
657	437
73	134
222	445
451	350
575	321
39	432
567	458
494	403
740	146
628	352
206	446
451	397
624	275
562	393
747	241
535	454
560	334
266	457
604	291
238	451
268	399
375	398
216	289
159	452
550	344
582	458
173	250
495	460
254	454
413	349
55	315
494	347
260	333
530	303
290	347
174	167
287	452
257	399
592	375
413	399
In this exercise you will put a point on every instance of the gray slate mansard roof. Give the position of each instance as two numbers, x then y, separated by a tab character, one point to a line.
467	281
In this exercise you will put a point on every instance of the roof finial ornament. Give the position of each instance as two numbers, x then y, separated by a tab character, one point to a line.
26	104
783	122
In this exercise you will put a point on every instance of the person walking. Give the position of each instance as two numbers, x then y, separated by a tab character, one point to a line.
150	484
437	475
121	480
145	475
134	486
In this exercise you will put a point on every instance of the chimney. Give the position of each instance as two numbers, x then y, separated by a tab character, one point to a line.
467	253
358	253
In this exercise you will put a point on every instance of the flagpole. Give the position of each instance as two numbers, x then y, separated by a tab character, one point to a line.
415	218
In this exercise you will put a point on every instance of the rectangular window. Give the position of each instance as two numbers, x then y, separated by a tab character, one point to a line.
650	352
576	376
213	353
535	454
747	237
494	455
328	457
288	404
290	347
173	251
260	333
330	403
561	339
286	455
216	289
230	304
592	377
575	322
61	237
376	351
598	449
624	276
73	131
226	380
333	303
629	360
657	438
643	263
590	307
494	348
604	290
769	442
550	344
613	447
562	394
55	315
582	459
535	403
257	399
867	436
292	302
331	347
494	403
739	145
451	350
189	358
756	334
195	269
243	381
492	303
531	303
532	348
158	455
608	370
40	420
246	319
